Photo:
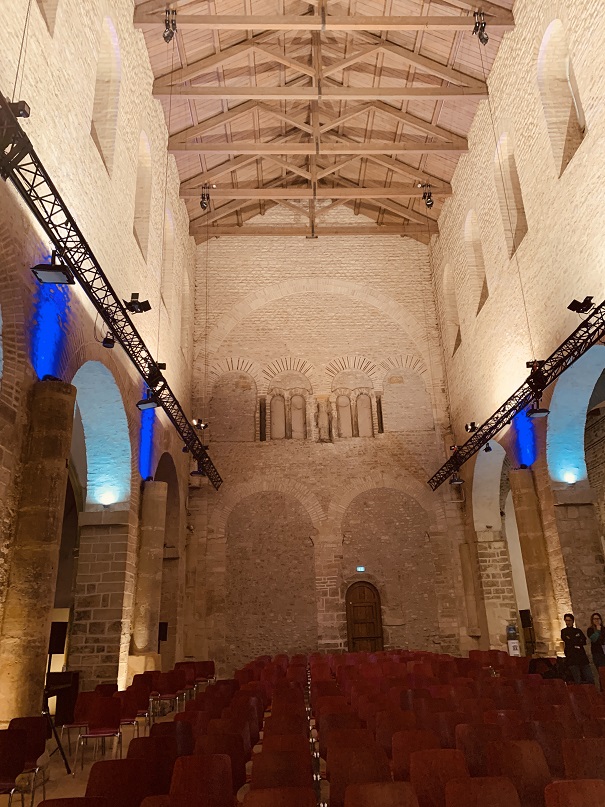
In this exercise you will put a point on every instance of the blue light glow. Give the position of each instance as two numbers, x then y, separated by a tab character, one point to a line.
146	442
49	328
525	439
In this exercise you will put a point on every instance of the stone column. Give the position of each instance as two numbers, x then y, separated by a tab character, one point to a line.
470	593
496	578
100	634
196	639
579	534
331	612
535	560
149	577
35	550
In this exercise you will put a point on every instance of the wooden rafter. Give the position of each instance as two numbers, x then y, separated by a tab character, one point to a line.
299	192
264	231
309	148
328	93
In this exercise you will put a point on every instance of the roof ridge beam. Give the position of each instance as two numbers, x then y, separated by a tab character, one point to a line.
328	93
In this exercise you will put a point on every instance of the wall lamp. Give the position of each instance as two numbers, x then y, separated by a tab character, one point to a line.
137	306
54	272
148	402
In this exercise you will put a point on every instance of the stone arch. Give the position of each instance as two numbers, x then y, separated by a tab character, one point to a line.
142	199
475	263
451	317
169	601
238	364
560	97
565	453
233	407
353	364
279	404
235	493
104	121
366	294
48	9
509	192
275	371
108	449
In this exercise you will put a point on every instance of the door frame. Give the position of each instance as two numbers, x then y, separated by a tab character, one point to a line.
349	587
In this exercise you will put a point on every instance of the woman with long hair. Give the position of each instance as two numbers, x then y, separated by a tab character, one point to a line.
596	634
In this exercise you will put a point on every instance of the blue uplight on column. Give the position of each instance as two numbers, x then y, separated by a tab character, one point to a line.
49	328
525	439
146	442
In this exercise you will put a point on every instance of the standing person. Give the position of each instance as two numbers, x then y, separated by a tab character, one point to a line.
596	634
577	660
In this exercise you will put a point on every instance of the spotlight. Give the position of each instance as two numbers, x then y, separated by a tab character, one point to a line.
581	307
479	29
136	306
154	375
148	402
200	471
536	411
55	272
199	424
488	448
169	26
205	198
427	196
536	378
454	448
455	479
109	341
470	427
185	449
20	109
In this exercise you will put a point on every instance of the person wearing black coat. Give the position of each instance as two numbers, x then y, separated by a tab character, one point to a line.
577	660
596	634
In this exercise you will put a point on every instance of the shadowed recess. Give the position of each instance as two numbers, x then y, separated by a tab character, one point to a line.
49	327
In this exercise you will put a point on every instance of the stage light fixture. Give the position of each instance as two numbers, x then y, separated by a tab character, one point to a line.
455	479
54	272
108	341
470	427
427	195
537	411
205	197
20	109
488	448
454	448
148	402
479	28
137	306
199	424
200	471
581	307
169	26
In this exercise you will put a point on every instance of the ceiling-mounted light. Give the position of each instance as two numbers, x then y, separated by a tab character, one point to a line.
199	424
137	306
455	479
581	307
205	197
54	272
108	341
479	28
470	427
20	109
537	411
427	195
199	472
169	25
148	402
488	448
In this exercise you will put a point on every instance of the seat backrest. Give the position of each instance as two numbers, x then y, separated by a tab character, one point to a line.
230	744
287	724
36	730
105	713
13	753
181	730
550	734
584	759
406	743
83	706
346	738
286	742
431	770
485	791
106	690
381	794
161	753
523	761
349	766
198	718
282	769
472	740
575	793
281	797
81	801
205	776
389	722
123	782
444	725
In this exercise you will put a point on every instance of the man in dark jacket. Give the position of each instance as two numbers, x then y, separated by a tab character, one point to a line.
577	660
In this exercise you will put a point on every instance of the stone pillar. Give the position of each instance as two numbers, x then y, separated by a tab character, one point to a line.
35	550
100	634
579	534
196	639
331	612
149	576
535	560
496	578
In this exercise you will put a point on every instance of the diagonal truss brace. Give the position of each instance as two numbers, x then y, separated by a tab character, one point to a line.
587	334
20	163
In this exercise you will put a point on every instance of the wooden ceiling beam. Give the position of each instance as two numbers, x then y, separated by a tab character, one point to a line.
315	22
295	169
331	169
424	126
264	231
370	50
218	171
301	211
351	113
278	194
393	207
294	64
291	119
327	93
211	123
309	148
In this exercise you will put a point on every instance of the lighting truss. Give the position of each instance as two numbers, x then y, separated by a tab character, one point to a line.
20	163
587	334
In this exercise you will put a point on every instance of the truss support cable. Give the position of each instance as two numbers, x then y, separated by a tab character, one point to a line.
21	165
587	334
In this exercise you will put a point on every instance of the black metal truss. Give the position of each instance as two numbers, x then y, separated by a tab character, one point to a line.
587	334
20	163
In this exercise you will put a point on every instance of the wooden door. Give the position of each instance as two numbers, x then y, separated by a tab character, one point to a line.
364	620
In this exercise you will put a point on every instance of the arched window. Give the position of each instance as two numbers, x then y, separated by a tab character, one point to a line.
168	261
452	336
343	410
142	199
509	195
299	420
560	97
107	91
278	418
48	9
364	416
475	262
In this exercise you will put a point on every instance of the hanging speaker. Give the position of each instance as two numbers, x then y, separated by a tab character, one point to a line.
526	620
163	632
58	636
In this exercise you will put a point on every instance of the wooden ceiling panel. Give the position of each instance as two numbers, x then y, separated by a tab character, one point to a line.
375	104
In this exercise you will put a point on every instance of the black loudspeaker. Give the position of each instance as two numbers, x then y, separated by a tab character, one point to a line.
526	620
163	632
58	636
